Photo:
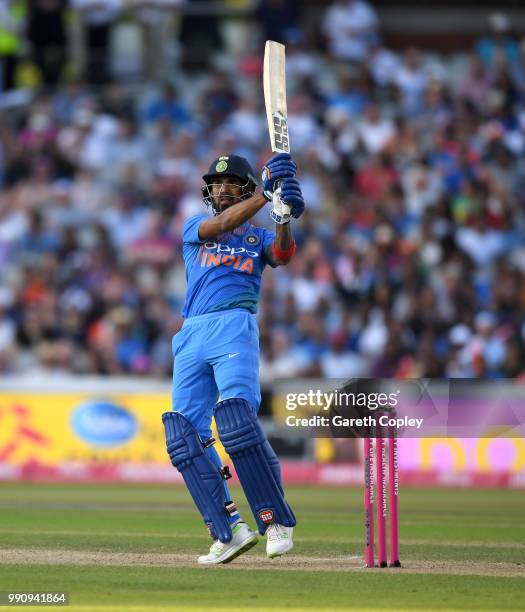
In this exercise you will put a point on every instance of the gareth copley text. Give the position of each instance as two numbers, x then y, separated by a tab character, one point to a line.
339	421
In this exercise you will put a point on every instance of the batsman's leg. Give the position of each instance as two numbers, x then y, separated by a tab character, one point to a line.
236	369
190	447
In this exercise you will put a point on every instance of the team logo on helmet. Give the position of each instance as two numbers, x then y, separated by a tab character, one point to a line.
221	166
252	240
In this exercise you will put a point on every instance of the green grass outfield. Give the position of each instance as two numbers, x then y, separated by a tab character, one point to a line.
134	546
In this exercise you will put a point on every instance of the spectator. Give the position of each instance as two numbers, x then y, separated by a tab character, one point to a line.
167	106
200	37
411	79
277	18
350	27
376	132
498	42
460	360
98	16
482	244
518	71
154	17
382	65
301	65
475	85
7	331
246	124
218	99
339	362
12	22
47	35
304	129
352	95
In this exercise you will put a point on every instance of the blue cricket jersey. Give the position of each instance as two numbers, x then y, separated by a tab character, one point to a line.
224	272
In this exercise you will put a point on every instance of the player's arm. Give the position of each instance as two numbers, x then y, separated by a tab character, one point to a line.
281	251
279	167
287	202
232	217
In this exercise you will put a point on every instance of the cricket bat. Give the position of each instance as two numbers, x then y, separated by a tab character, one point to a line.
274	81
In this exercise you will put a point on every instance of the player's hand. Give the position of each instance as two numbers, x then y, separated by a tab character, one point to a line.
291	195
280	212
276	169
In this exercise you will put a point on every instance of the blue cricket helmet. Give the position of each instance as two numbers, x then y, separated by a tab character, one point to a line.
229	165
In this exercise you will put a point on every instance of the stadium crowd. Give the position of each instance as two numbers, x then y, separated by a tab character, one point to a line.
411	258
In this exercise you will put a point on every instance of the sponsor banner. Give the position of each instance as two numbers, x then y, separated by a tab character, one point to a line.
294	473
120	437
51	430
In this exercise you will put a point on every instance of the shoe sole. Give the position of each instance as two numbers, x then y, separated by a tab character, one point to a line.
243	547
281	552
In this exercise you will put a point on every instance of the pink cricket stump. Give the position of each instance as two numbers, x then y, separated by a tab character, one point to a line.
369	503
381	501
393	485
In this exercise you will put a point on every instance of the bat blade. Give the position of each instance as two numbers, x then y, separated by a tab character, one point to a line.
274	79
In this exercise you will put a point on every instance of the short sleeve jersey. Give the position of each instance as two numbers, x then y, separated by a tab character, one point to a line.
224	272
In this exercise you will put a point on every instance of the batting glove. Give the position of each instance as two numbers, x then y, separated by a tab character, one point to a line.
280	212
276	169
291	194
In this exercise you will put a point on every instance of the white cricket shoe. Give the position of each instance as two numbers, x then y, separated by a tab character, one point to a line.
223	552
279	540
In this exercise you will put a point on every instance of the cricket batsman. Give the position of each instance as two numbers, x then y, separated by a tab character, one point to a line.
216	354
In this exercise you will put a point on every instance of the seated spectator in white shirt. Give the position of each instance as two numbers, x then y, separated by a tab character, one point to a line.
382	65
340	361
411	78
376	132
350	27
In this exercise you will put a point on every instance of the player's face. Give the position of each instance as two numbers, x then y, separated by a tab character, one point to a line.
225	192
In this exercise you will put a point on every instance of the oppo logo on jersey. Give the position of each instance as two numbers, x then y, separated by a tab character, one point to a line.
226	255
225	248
